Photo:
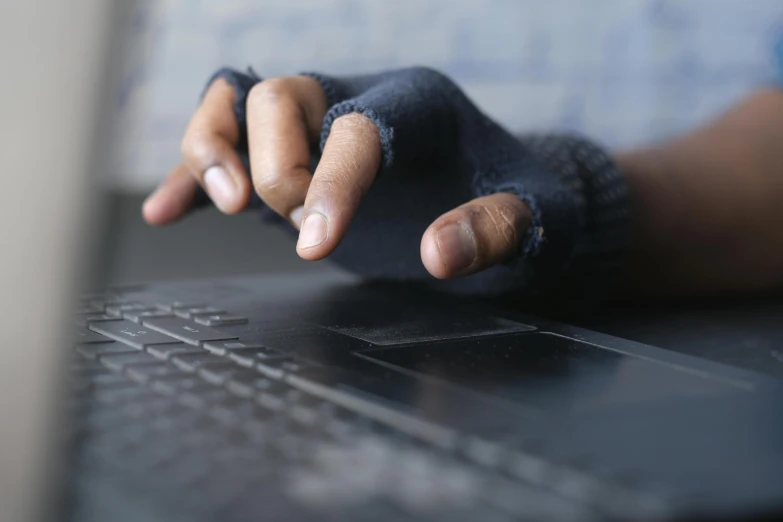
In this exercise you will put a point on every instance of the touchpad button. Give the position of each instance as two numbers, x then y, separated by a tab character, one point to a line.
548	372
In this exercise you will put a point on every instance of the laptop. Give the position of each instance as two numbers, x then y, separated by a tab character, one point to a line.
319	397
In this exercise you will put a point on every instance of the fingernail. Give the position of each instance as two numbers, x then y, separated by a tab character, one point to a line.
296	216
314	230
457	246
219	185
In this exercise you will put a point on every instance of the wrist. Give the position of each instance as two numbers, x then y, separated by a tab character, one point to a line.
691	221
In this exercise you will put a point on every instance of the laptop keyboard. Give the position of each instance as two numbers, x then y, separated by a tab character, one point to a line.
226	427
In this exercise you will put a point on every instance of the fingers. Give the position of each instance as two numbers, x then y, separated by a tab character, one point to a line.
475	236
208	148
350	161
284	118
172	199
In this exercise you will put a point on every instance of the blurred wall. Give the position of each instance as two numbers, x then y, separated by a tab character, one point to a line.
624	71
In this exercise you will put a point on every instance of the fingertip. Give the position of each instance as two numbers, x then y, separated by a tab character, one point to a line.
170	201
312	244
313	253
228	190
431	256
152	211
296	217
475	236
449	249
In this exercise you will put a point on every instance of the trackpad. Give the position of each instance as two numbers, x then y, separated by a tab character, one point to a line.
385	330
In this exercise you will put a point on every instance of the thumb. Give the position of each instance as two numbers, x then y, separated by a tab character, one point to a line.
475	236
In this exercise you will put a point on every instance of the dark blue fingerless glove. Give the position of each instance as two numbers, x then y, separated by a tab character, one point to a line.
440	151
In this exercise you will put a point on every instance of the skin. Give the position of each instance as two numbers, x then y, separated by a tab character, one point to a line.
705	206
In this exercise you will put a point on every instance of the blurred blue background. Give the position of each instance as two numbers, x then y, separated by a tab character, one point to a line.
627	72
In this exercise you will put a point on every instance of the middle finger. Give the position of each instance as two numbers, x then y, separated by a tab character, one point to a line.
284	118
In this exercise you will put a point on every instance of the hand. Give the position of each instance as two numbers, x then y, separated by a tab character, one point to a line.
285	117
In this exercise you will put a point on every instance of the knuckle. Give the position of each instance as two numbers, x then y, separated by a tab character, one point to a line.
186	145
502	224
268	91
220	85
280	191
337	186
269	186
323	188
195	146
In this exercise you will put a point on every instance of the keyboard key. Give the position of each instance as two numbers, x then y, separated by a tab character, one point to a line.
139	316
134	393
110	380
218	374
303	415
101	318
233	409
203	396
129	307
276	368
146	373
105	419
131	334
93	351
309	410
101	380
276	401
166	351
121	361
85	336
178	305
89	310
262	431
111	301
187	331
175	383
161	405
84	367
224	347
190	313
250	356
190	362
220	320
177	421
247	383
84	321
98	296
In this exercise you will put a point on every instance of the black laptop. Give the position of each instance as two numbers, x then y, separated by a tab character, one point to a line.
327	398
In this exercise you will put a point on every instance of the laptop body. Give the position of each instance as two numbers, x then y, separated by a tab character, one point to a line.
326	397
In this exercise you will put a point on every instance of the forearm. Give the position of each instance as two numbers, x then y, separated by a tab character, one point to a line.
707	208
